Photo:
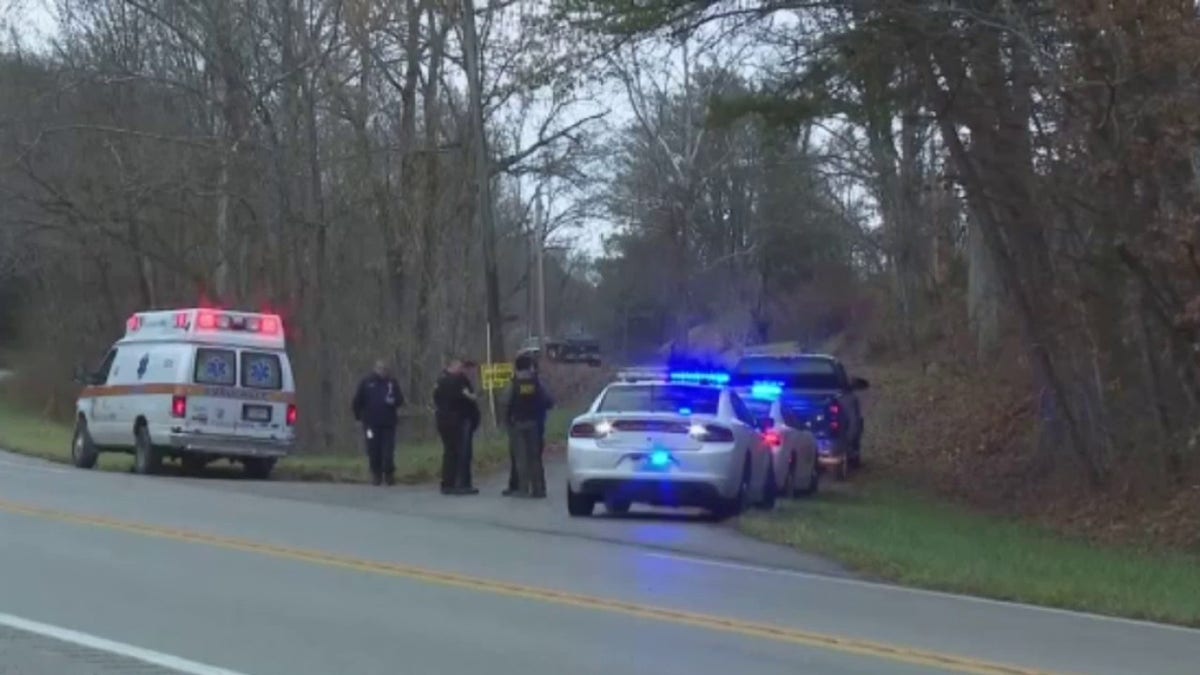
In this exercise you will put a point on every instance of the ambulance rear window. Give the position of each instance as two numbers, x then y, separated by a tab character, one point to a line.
261	371
216	366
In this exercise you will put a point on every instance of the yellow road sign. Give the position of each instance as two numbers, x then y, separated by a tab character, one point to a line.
496	375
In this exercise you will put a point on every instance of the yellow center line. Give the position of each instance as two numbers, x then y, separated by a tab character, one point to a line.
775	633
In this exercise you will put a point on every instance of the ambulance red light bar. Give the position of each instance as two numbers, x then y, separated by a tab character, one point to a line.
262	324
134	323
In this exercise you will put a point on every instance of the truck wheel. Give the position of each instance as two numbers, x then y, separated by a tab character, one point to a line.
579	505
83	451
258	468
147	460
810	486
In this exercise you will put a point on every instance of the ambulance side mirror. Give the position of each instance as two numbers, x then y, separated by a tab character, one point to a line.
83	375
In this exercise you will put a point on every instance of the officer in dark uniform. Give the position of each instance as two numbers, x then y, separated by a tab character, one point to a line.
528	403
375	406
458	418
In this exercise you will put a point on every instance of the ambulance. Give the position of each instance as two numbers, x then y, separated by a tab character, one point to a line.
197	385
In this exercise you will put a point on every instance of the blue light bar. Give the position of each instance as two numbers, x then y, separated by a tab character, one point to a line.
768	390
660	458
697	377
685	411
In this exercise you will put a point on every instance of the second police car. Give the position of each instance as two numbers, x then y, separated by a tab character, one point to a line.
193	384
669	439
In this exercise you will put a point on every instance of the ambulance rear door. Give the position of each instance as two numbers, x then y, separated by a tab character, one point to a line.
241	392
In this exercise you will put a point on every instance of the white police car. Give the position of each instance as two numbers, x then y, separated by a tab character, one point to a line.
194	384
668	439
795	446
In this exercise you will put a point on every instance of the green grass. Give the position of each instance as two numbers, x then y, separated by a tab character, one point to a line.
893	534
33	435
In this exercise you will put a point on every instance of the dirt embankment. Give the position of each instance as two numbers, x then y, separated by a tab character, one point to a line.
970	433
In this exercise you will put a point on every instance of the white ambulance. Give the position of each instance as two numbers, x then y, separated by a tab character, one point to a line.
193	384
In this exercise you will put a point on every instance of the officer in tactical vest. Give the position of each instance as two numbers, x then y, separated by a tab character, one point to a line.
528	403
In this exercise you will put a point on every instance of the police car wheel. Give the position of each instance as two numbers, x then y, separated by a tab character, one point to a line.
733	507
618	507
579	505
83	450
147	460
770	490
813	481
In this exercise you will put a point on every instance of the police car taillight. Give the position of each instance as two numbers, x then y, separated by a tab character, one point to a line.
179	406
773	439
291	415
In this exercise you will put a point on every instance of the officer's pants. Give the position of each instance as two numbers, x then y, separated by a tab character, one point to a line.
456	453
381	450
526	446
513	483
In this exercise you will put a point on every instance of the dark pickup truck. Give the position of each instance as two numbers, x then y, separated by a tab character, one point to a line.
818	390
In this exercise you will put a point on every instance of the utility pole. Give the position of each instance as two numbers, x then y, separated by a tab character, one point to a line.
540	262
483	178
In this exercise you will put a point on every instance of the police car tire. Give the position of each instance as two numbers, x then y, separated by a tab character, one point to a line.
618	507
770	491
147	460
83	451
734	506
579	505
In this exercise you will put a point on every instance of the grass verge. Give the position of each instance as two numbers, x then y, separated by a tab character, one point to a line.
899	536
33	435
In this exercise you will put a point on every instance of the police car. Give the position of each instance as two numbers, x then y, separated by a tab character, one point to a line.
669	439
193	384
789	433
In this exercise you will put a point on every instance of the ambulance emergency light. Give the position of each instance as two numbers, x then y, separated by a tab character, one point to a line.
207	320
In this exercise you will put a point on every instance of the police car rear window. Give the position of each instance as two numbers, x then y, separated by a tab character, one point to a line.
216	366
661	398
261	371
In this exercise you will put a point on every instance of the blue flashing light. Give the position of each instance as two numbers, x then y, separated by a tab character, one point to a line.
660	458
768	390
699	377
685	411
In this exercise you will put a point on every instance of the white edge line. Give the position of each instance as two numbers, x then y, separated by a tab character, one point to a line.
109	646
924	592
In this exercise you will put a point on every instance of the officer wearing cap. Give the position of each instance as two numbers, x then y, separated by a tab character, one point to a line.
525	413
375	406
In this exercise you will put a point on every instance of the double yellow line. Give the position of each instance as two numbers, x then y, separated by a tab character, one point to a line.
946	662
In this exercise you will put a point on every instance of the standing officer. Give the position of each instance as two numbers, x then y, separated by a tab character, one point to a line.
458	417
375	406
526	412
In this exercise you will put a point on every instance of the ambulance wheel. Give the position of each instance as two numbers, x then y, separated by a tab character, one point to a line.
83	450
258	468
579	505
147	460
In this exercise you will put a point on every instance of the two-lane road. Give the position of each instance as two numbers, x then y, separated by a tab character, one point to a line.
99	572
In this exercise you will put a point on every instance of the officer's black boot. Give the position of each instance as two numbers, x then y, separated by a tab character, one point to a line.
376	479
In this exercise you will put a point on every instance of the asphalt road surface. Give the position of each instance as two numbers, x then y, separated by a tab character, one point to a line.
110	573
